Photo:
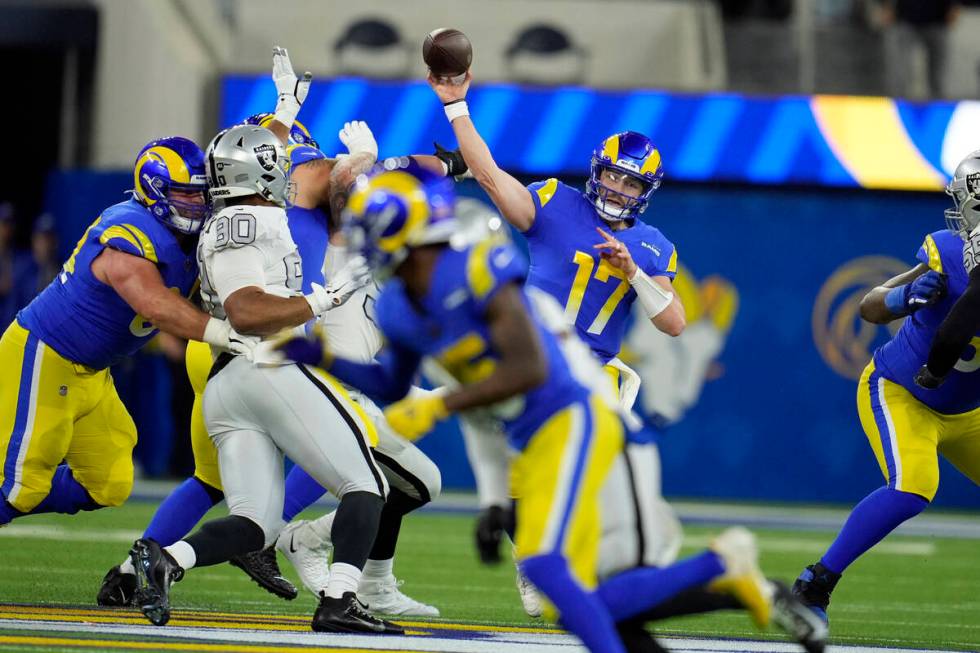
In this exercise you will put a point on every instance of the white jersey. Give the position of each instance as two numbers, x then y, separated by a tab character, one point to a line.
352	327
243	246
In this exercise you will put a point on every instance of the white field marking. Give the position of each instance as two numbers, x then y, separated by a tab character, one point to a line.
808	545
44	532
483	642
783	544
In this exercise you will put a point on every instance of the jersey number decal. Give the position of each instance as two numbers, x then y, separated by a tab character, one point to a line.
69	267
239	229
586	265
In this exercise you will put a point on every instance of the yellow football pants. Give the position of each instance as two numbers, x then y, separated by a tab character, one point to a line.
558	478
51	410
198	361
907	436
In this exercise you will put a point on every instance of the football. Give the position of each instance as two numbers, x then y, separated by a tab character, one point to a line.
447	52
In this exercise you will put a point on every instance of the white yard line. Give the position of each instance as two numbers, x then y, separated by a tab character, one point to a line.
481	642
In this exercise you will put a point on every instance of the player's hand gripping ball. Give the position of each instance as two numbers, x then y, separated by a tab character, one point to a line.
448	54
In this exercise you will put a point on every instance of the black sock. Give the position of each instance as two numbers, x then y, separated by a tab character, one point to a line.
355	527
397	506
696	600
220	540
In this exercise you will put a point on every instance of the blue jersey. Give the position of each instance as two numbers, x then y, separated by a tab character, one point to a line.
85	320
596	296
901	357
450	325
309	230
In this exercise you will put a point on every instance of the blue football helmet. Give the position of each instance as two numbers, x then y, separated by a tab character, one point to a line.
396	206
298	134
631	154
165	166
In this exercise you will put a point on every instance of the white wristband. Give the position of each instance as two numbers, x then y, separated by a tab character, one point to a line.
216	332
455	109
287	108
653	298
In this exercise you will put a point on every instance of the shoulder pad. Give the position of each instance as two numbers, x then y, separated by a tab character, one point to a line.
489	265
130	238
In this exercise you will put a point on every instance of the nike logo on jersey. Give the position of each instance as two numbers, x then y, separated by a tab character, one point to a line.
455	298
650	247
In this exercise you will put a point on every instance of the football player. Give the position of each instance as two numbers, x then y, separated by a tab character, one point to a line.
67	439
912	415
256	414
588	250
464	306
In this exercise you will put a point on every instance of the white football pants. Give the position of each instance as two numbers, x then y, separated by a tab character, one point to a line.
254	415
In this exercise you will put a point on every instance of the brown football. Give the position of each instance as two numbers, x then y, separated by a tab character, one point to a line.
447	52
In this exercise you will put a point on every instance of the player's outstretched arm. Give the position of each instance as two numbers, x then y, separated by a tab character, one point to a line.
522	365
139	283
954	334
511	197
292	91
902	295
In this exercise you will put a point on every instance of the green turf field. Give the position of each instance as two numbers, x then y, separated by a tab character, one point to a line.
914	592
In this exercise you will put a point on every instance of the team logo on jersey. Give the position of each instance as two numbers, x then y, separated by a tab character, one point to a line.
266	154
844	340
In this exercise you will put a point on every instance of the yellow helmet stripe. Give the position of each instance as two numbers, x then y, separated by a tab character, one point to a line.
611	148
652	163
407	188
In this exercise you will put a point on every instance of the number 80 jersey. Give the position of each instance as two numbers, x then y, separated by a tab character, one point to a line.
596	296
243	246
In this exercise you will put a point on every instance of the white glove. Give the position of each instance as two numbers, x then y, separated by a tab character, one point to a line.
220	333
358	138
346	282
292	91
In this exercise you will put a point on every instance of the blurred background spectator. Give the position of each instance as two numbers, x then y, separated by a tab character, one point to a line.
917	33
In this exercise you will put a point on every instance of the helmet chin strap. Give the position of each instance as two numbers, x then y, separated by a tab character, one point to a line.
605	214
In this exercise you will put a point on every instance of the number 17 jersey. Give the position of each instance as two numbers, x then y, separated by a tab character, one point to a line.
564	263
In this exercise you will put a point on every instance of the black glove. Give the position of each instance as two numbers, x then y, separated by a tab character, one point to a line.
490	529
453	159
925	379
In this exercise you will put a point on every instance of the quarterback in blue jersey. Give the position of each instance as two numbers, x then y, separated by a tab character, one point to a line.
908	416
595	275
128	277
463	305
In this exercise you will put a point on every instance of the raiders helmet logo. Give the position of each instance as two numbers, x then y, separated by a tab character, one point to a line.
266	154
973	184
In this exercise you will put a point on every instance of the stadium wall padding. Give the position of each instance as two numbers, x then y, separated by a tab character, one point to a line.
780	420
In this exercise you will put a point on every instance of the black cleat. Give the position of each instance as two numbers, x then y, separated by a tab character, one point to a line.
156	571
348	615
118	590
797	619
814	587
263	568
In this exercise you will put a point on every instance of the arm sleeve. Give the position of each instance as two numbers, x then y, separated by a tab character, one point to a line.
234	268
129	239
542	192
389	379
954	334
664	265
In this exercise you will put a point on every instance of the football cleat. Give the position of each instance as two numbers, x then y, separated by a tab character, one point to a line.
308	553
814	587
742	578
263	568
156	571
797	619
530	598
384	597
348	615
118	589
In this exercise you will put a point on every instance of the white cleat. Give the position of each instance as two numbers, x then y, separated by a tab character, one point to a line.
385	597
743	578
529	596
308	553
